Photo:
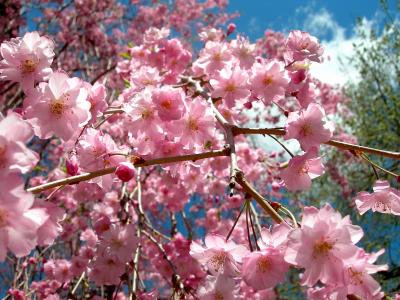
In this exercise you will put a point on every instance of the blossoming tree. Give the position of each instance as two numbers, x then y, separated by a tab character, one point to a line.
115	168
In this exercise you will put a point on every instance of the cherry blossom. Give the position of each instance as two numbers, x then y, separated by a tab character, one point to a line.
308	127
301	45
14	155
27	60
221	257
59	107
269	81
19	222
384	199
322	245
231	85
169	103
220	287
301	169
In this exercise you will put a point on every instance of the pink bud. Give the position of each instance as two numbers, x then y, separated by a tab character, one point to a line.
125	171
275	186
32	260
231	28
248	105
72	166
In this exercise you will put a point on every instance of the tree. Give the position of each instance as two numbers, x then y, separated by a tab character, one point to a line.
111	179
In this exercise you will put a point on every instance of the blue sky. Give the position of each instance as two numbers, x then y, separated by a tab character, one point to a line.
283	15
333	22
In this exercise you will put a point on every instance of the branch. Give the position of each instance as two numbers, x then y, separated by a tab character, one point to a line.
150	162
93	81
334	143
259	199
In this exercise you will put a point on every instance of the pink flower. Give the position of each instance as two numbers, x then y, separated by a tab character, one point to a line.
14	155
143	115
220	256
119	241
301	45
125	171
384	199
269	81
197	126
231	85
97	99
357	275
19	222
169	103
265	268
106	270
26	60
220	287
50	229
322	245
59	107
96	151
213	57
308	127
301	169
145	76
243	52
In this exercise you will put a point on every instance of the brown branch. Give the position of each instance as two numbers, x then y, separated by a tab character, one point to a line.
93	81
150	162
259	199
334	143
112	111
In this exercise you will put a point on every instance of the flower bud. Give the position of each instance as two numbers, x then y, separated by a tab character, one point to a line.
231	28
125	171
72	166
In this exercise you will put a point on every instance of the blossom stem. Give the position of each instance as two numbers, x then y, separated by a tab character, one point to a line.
374	165
252	225
234	224
289	214
248	226
282	145
78	283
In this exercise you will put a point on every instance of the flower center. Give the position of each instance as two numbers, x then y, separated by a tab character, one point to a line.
117	243
304	169
147	113
28	66
355	276
322	248
218	296
192	124
230	87
268	79
218	260
217	56
382	201
306	130
3	218
263	264
304	46
58	107
166	104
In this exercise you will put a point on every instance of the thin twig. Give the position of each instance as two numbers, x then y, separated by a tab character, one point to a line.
150	162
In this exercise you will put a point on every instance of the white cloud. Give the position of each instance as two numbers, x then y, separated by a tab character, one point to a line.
338	48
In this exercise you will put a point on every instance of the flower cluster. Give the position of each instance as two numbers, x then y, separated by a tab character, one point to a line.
127	169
